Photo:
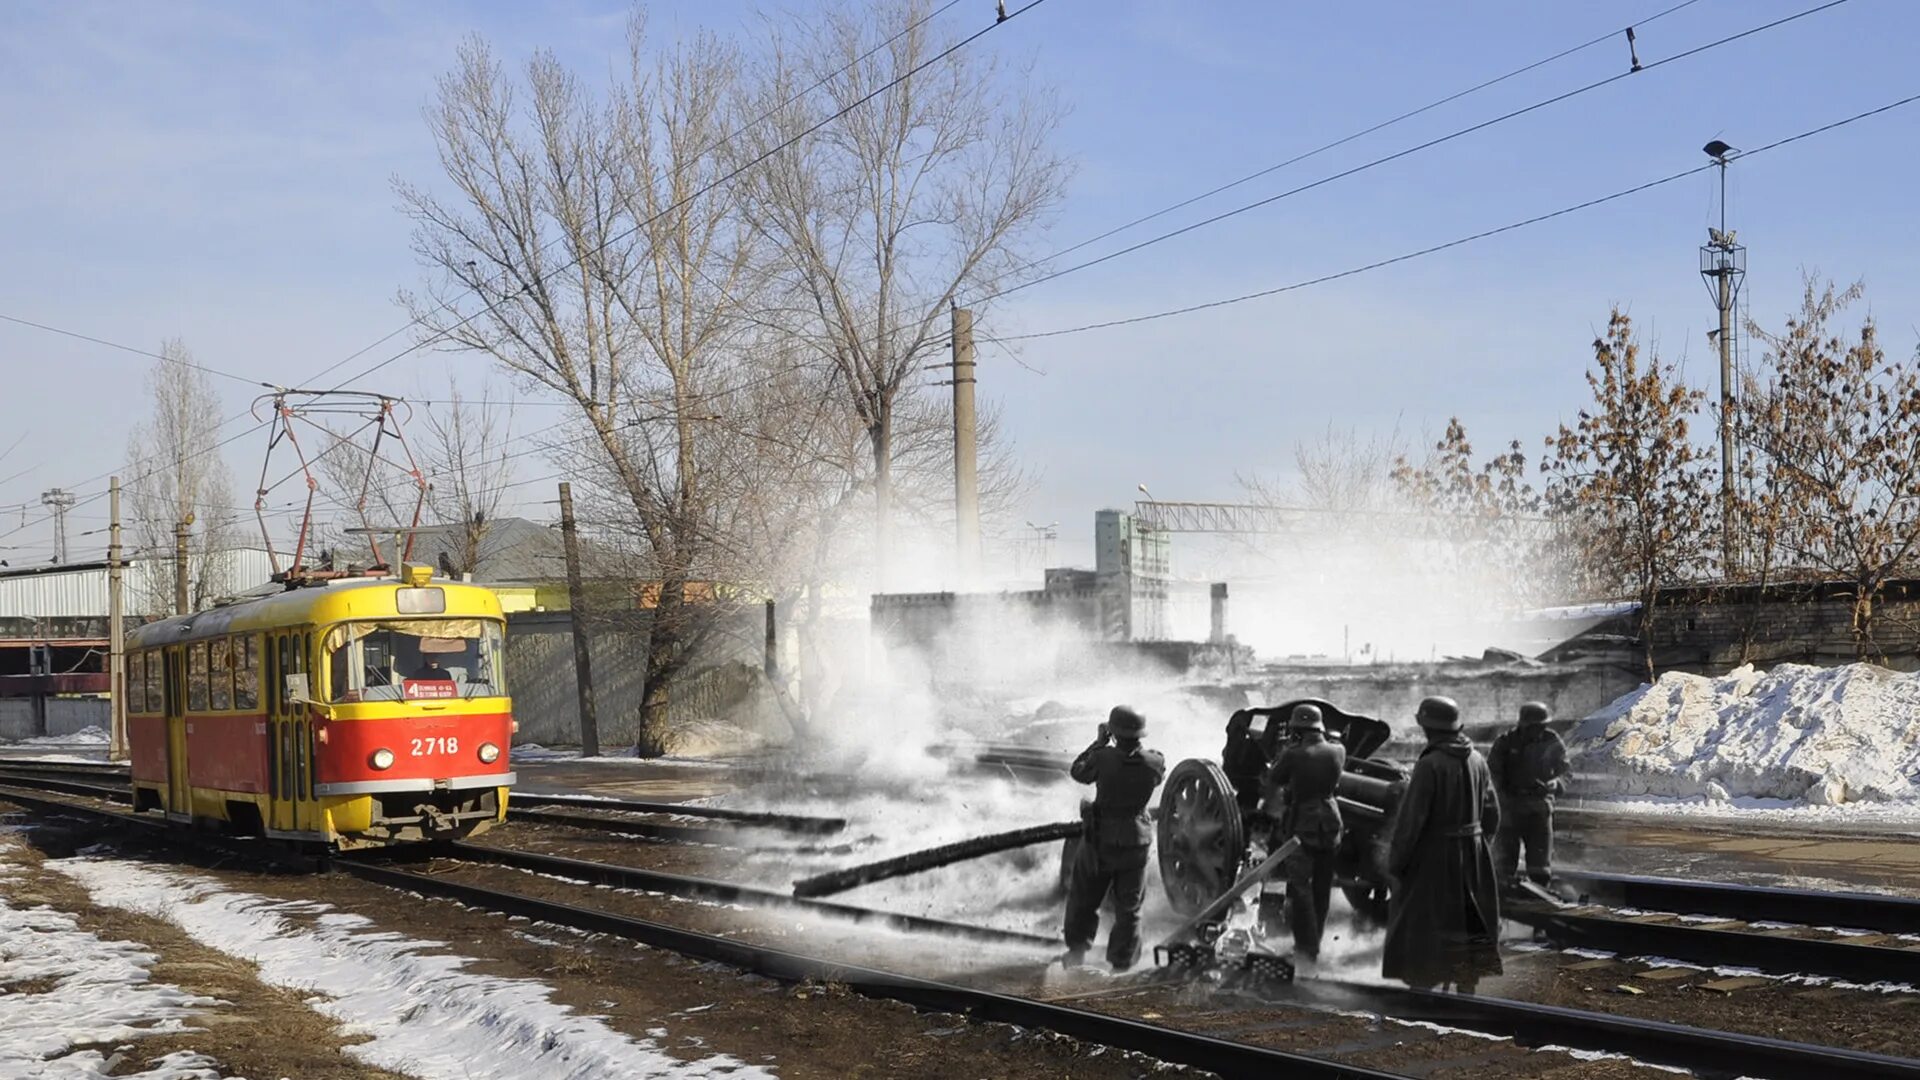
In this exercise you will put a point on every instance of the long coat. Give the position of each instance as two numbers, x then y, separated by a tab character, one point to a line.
1444	917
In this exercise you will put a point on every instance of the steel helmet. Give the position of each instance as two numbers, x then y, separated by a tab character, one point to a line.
1124	721
1439	714
1306	718
1534	712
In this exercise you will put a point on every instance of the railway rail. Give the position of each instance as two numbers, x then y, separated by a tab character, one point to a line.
1713	1052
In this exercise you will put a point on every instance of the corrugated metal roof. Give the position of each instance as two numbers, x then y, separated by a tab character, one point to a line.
81	592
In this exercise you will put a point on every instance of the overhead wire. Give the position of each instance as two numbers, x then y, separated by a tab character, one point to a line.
1484	234
738	171
895	81
195	365
1405	152
1364	132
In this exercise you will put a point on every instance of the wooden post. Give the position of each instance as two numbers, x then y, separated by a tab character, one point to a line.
116	632
576	614
966	479
771	660
182	530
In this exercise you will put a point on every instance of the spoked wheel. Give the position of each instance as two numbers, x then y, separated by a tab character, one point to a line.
1202	839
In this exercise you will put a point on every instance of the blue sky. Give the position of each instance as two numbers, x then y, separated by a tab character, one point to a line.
221	172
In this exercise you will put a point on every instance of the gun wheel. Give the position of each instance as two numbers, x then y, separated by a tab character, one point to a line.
1202	839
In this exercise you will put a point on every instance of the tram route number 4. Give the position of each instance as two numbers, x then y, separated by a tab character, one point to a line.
415	689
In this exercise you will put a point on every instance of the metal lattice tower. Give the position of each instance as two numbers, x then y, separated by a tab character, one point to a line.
59	502
1723	265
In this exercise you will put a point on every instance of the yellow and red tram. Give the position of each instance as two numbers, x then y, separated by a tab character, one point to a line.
352	713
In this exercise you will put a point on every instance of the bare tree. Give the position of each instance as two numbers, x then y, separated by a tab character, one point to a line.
178	476
469	473
903	189
1492	520
1629	477
1837	428
615	272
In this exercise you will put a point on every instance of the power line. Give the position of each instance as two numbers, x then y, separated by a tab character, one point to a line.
129	348
1382	125
1562	212
725	179
1398	154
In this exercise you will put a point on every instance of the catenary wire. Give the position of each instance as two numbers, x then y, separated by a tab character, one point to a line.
1405	152
1381	126
1484	234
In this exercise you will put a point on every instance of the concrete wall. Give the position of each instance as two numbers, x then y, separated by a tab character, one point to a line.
1809	625
64	717
546	702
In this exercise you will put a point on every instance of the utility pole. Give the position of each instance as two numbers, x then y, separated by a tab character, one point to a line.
966	466
182	530
59	502
116	632
577	605
1723	264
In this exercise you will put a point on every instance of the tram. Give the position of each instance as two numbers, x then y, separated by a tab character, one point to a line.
352	713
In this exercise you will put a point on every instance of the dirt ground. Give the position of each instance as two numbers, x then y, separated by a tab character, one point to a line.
804	1030
1857	1018
1754	854
258	1030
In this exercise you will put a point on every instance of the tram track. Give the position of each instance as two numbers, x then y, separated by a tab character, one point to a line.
1710	1051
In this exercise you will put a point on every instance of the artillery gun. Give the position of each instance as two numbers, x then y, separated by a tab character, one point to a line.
1206	825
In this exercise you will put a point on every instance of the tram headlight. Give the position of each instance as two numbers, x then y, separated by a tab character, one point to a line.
489	753
381	759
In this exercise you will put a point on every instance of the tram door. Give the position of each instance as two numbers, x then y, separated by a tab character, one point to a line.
291	769
179	791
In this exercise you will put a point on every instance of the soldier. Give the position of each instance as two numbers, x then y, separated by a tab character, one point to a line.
1113	847
1309	772
1444	918
1528	763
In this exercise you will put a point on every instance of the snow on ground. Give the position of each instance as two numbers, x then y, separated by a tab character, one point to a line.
1798	735
62	988
86	736
423	1012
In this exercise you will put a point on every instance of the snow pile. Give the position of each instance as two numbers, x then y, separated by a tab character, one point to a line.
425	1014
1809	735
62	988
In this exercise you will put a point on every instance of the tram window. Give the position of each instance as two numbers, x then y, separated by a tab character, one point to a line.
246	673
197	677
134	681
220	668
398	659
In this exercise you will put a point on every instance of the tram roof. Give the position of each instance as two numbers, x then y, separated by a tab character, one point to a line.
338	601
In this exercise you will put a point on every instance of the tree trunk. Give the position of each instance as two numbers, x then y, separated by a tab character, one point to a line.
1646	632
881	435
1864	647
664	648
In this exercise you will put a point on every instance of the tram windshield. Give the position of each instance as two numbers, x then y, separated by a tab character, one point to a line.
415	659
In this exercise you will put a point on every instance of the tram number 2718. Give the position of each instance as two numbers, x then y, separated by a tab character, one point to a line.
435	745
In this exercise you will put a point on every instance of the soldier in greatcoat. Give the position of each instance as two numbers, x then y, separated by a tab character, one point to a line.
1113	849
1444	917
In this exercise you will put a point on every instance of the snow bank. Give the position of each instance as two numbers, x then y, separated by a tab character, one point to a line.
1804	735
424	1013
86	992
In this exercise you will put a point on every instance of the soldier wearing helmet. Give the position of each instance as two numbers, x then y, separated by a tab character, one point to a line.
1112	855
1300	789
1528	765
1444	918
